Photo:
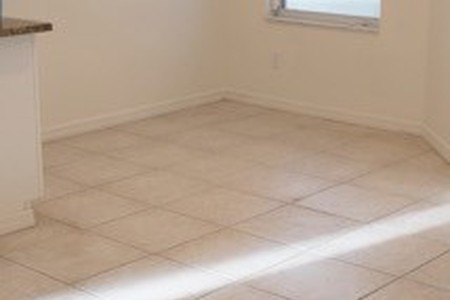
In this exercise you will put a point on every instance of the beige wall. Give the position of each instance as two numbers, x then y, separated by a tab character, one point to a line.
381	76
438	113
107	56
111	56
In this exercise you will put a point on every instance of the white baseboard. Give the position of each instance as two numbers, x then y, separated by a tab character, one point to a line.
325	112
439	143
111	119
138	113
18	221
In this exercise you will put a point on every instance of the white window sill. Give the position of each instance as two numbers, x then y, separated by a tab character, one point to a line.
367	24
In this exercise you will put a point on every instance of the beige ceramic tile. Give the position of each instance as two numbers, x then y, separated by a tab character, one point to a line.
153	127
306	278
276	183
407	179
19	283
222	206
409	290
181	121
396	256
240	293
157	154
89	208
66	293
75	256
152	278
156	230
97	170
430	161
207	139
213	168
270	153
332	167
43	230
259	126
104	140
205	115
313	138
232	253
55	187
300	121
436	273
299	227
356	203
156	188
382	148
57	154
425	219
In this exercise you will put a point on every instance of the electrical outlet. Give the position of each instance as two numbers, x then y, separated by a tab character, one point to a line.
276	61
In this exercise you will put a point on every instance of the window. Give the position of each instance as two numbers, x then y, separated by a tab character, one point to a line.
356	14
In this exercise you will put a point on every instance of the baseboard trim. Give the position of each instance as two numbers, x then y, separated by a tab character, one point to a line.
268	101
128	115
275	102
15	222
439	143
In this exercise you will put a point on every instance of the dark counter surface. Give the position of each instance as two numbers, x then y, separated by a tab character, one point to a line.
13	26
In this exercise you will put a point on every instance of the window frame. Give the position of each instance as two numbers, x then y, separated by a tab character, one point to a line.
277	12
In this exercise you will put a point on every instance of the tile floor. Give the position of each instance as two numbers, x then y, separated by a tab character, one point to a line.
238	202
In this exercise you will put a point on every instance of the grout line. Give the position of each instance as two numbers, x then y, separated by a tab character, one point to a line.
283	204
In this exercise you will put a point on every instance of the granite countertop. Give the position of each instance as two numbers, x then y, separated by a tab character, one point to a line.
13	26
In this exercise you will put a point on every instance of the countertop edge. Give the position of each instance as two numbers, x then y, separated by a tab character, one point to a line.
10	27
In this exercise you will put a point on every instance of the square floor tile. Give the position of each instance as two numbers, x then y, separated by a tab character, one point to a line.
356	203
57	154
153	127
259	126
436	273
104	140
332	167
157	154
156	188
405	289
89	208
156	230
207	139
270	153
222	206
44	229
396	256
298	227
97	170
232	253
75	256
407	179
240	293
213	168
181	121
205	115
19	283
55	187
425	219
276	184
313	138
382	148
66	293
304	278
152	278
